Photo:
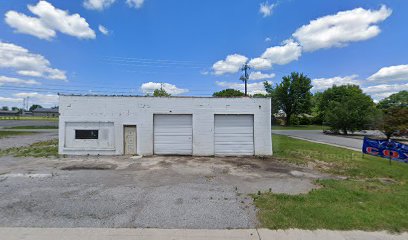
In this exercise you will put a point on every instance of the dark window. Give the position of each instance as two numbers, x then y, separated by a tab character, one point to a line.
86	134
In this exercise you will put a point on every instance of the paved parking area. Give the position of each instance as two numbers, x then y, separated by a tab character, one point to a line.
158	192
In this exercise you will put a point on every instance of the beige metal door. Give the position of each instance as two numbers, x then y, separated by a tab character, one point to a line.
130	140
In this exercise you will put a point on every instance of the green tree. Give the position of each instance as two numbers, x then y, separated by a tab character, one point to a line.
395	100
318	118
260	95
346	108
228	93
34	106
394	120
292	95
15	109
160	93
271	93
5	108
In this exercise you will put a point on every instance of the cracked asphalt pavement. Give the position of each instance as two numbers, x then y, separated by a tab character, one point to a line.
150	192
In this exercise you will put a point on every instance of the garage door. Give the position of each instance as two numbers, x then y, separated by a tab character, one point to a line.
173	134
234	135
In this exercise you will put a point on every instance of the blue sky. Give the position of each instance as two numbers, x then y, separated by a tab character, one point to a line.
196	47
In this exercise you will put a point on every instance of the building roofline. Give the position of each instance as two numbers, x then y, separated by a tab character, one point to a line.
139	96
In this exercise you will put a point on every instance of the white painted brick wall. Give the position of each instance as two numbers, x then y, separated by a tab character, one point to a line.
139	111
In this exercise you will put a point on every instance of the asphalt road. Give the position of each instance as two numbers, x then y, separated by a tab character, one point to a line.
318	136
15	123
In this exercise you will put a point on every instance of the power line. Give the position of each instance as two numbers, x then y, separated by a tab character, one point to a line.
149	59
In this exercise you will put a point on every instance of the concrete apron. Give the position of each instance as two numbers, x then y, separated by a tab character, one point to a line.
189	234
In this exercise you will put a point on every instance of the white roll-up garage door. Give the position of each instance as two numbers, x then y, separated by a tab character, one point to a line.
173	134
234	134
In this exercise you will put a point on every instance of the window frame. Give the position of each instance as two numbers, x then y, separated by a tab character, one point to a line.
91	134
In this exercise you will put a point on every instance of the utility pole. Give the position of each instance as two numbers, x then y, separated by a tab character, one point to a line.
245	77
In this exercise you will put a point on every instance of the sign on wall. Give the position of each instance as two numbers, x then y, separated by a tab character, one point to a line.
387	149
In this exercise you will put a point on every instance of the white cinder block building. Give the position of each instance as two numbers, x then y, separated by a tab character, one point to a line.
117	125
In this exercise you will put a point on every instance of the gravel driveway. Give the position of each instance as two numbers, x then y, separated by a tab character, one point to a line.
160	192
317	135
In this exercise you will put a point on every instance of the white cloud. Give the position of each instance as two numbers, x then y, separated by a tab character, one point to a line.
29	25
260	63
253	88
29	73
231	64
391	74
98	4
325	32
321	84
16	81
26	63
135	3
260	76
149	87
289	51
49	20
381	91
268	39
39	98
103	30
10	100
266	9
340	29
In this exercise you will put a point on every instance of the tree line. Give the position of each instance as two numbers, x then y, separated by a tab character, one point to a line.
344	108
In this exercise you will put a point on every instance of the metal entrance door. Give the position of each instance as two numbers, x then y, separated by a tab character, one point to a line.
130	139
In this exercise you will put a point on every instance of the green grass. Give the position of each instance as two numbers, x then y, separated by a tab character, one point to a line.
373	197
300	127
33	127
39	149
53	119
12	133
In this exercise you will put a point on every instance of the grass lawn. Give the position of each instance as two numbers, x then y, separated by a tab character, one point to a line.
33	127
12	133
373	197
53	119
300	127
39	149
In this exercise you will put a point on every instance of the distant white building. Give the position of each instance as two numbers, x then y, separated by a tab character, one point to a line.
116	125
45	112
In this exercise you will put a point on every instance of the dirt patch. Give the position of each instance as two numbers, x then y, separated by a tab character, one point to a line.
165	164
387	181
90	166
277	169
243	163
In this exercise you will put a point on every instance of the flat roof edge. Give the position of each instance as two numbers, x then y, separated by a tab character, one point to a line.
139	96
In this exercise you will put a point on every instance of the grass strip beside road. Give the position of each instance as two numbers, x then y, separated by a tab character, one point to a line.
51	119
32	127
300	127
4	134
38	149
373	197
